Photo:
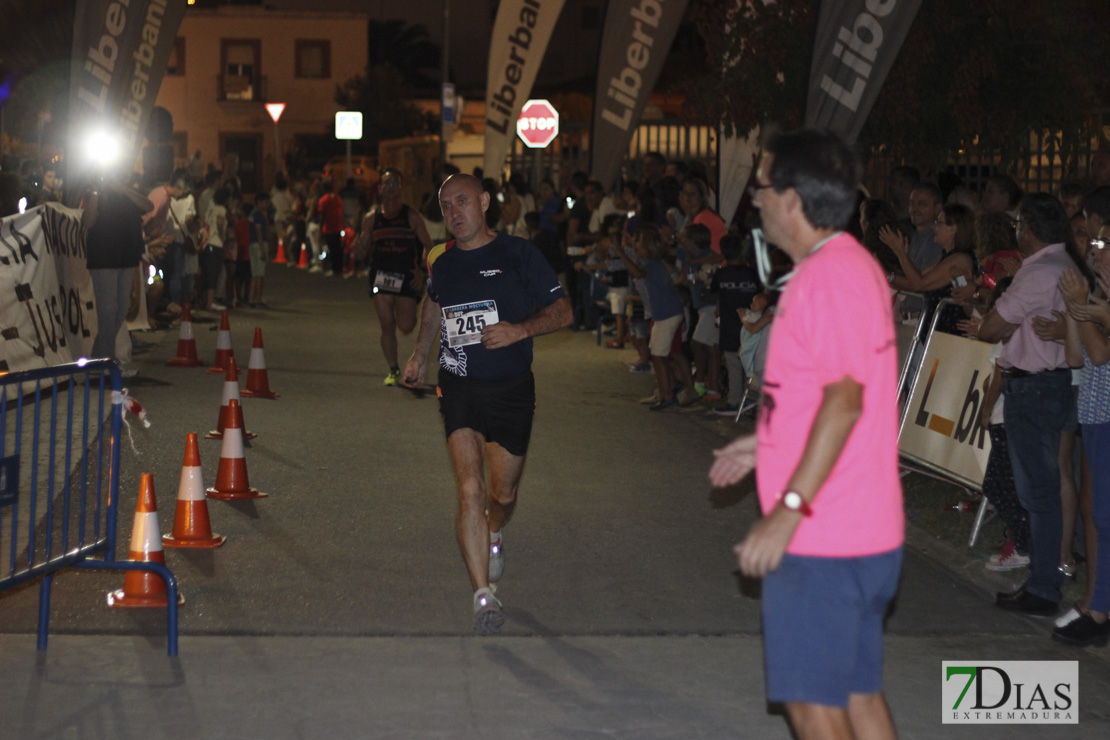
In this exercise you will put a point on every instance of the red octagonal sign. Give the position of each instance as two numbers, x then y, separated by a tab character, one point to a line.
538	124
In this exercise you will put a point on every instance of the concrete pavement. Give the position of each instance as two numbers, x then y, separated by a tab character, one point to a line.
339	606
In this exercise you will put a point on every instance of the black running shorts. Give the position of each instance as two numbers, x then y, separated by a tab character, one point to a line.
499	410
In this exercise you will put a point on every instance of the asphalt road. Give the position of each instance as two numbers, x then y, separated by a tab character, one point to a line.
340	607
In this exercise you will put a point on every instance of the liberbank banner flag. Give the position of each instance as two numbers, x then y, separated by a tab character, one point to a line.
637	38
521	32
857	43
120	51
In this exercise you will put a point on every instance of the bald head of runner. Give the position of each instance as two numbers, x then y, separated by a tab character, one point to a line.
464	204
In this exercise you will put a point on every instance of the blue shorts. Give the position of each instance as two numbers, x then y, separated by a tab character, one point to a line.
823	626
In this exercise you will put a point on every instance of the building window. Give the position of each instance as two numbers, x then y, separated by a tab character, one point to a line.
240	65
176	65
312	59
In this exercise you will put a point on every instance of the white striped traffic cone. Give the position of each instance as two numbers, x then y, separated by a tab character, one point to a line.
258	381
186	344
141	587
231	477
231	392
223	346
191	525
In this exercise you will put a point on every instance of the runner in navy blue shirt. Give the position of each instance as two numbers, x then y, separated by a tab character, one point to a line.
488	295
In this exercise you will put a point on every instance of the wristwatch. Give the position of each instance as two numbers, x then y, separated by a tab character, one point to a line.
796	502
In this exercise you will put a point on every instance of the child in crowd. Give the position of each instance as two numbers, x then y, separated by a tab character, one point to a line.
259	249
697	262
243	255
756	322
735	284
667	318
616	277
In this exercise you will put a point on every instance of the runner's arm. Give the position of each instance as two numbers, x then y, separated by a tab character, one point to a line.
841	405
413	374
550	318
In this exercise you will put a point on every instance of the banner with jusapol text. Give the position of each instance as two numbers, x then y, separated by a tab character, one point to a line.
857	43
521	33
120	52
47	315
635	44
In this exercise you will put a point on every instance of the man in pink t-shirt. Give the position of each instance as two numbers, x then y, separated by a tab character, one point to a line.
829	544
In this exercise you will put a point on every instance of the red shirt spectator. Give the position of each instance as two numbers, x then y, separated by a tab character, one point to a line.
330	208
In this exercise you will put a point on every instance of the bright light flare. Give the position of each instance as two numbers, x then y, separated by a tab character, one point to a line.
103	149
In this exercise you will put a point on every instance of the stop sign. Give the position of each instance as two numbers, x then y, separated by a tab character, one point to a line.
538	124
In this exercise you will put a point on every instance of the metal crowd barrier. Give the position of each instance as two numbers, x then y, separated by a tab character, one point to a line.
912	348
59	479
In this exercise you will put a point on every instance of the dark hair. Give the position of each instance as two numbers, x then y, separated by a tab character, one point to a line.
327	186
731	247
579	179
699	234
1008	185
220	196
932	189
519	183
963	218
649	209
1098	202
595	185
656	156
1043	215
822	169
532	219
180	179
994	232
1074	189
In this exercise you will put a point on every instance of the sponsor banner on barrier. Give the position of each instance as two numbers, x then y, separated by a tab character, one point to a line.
46	297
521	32
1014	692
941	425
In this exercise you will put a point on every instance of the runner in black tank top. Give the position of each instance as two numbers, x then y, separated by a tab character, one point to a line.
398	242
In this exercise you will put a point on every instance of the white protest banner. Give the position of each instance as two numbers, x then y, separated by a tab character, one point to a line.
46	298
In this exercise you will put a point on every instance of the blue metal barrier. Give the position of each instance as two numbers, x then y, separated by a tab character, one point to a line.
70	522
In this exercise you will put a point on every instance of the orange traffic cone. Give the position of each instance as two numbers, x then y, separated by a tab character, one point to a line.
141	587
191	526
279	258
223	346
258	382
302	263
231	476
231	391
186	344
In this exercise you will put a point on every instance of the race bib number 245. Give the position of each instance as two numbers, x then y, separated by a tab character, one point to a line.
465	322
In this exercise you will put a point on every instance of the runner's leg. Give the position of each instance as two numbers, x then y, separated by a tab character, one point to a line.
404	314
471	530
385	307
505	470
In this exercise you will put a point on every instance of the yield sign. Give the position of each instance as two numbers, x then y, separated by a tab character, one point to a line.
538	124
275	110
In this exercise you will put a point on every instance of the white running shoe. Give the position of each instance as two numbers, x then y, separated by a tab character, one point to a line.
487	613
